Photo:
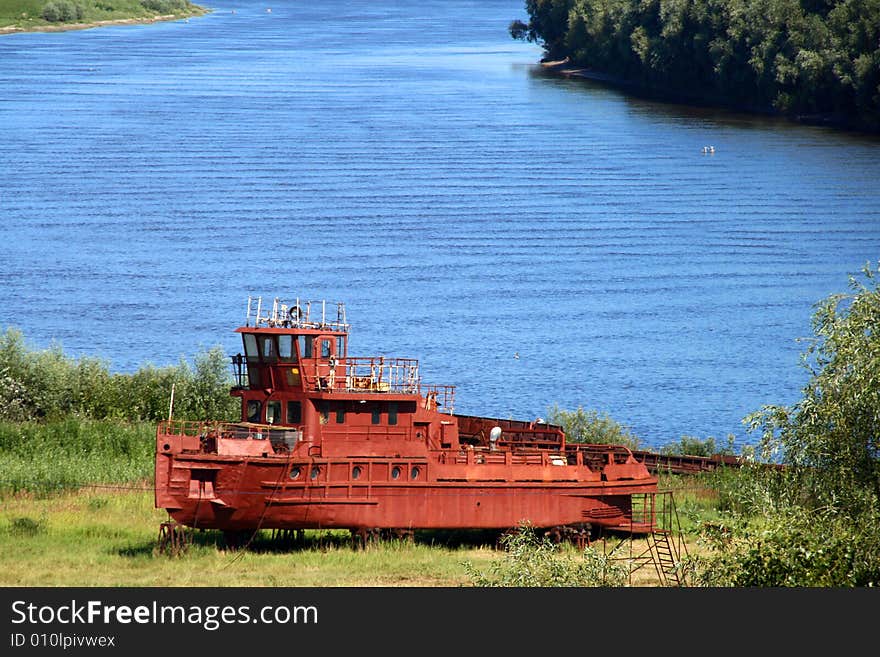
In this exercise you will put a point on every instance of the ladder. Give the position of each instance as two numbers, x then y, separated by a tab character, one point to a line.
665	558
654	516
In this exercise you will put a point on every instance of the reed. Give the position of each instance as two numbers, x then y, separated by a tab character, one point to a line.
44	458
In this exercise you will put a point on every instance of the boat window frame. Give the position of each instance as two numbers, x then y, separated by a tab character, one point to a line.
254	403
268	344
296	416
286	350
273	405
251	350
392	413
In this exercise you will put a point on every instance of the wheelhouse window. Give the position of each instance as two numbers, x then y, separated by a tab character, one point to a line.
294	412
340	414
305	346
267	347
252	352
273	412
377	415
250	345
254	410
326	348
340	347
285	348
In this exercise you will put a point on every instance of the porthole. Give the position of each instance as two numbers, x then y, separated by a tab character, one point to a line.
295	472
356	472
314	473
395	472
414	473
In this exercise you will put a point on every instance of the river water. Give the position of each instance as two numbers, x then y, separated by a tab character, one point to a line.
533	240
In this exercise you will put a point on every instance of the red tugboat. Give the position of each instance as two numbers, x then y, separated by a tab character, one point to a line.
327	440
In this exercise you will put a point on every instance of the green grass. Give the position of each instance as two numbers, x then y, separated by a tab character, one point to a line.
43	458
107	537
27	14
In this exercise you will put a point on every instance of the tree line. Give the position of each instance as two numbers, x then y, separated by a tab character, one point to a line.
816	59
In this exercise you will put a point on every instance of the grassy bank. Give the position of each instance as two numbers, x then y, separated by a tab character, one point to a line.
108	536
43	15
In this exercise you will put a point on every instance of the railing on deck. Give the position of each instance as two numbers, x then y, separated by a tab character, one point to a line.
300	313
352	375
208	433
380	374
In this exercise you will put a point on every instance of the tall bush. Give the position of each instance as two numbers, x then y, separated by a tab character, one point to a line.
532	561
47	384
589	426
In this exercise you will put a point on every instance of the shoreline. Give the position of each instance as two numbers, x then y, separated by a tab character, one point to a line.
564	68
67	27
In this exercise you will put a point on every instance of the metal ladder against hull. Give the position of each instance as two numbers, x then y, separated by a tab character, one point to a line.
664	542
664	558
655	518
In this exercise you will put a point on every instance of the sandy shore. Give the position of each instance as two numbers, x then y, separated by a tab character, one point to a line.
12	29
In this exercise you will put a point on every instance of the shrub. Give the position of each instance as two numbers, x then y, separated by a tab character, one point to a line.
588	426
794	548
166	6
46	385
26	526
60	11
693	446
533	561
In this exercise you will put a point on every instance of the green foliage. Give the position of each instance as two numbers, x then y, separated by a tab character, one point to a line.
530	561
49	385
46	457
794	548
36	14
26	526
166	6
693	446
62	11
799	57
588	426
830	439
816	521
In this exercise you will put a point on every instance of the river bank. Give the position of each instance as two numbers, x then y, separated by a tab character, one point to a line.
565	68
64	27
18	17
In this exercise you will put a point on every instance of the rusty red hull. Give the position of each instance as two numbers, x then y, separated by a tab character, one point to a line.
330	441
476	489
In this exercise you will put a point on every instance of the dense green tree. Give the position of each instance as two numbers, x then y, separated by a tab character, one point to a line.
589	426
816	521
816	58
47	384
830	439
